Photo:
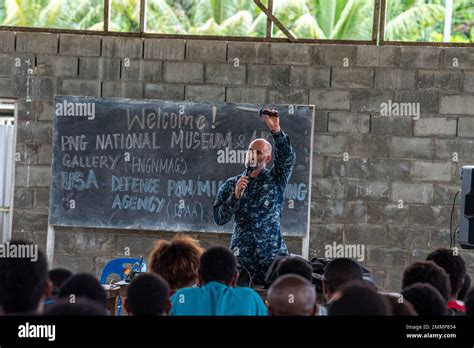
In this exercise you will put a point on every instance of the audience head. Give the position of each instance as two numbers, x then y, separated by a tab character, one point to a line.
400	306
427	272
58	276
24	281
357	298
295	265
292	294
83	285
339	272
453	264
177	261
80	307
148	294
426	299
218	264
470	303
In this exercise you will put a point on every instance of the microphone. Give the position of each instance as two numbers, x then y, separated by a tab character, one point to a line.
247	173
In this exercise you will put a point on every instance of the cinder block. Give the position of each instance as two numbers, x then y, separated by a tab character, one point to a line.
99	68
256	95
164	91
123	47
430	215
329	144
387	213
387	78
412	192
325	99
122	89
339	211
328	188
365	234
37	132
378	56
292	54
7	87
44	110
7	41
205	93
81	87
458	58
269	75
444	193
369	100
391	125
9	62
408	238
345	122
79	45
466	127
75	263
165	49
95	243
321	121
45	87
178	72
440	126
468	81
428	101
431	171
287	96
456	105
388	169
352	78
26	110
353	168
64	241
383	256
41	200
63	66
227	74
402	147
370	191
33	176
23	198
337	55
319	166
309	77
29	220
38	43
443	80
420	57
208	51
367	145
143	70
249	52
450	148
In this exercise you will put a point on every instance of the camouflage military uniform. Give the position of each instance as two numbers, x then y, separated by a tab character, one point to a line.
256	238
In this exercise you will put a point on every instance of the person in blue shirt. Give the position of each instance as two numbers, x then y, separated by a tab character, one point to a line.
256	238
217	294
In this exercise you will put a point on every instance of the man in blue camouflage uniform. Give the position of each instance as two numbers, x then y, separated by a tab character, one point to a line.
257	239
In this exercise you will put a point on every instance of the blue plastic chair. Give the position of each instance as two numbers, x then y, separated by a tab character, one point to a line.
117	267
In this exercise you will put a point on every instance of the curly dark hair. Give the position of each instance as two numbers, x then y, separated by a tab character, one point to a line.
427	272
177	261
454	266
426	299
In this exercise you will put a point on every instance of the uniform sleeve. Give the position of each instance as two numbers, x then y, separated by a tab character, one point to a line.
225	204
285	158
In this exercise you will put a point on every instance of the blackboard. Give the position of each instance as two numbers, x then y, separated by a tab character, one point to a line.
157	165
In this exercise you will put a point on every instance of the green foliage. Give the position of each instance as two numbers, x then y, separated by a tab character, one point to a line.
406	20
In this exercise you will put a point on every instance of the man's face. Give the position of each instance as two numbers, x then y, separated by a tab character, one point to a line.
259	154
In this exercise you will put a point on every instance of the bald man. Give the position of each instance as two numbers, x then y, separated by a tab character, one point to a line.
292	294
256	238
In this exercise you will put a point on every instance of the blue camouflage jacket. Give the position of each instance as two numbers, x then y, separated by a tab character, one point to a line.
256	236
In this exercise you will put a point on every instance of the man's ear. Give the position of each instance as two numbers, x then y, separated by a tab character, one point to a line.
269	158
233	282
167	307
48	288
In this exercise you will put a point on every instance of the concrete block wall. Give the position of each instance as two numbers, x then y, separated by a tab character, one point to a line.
364	164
